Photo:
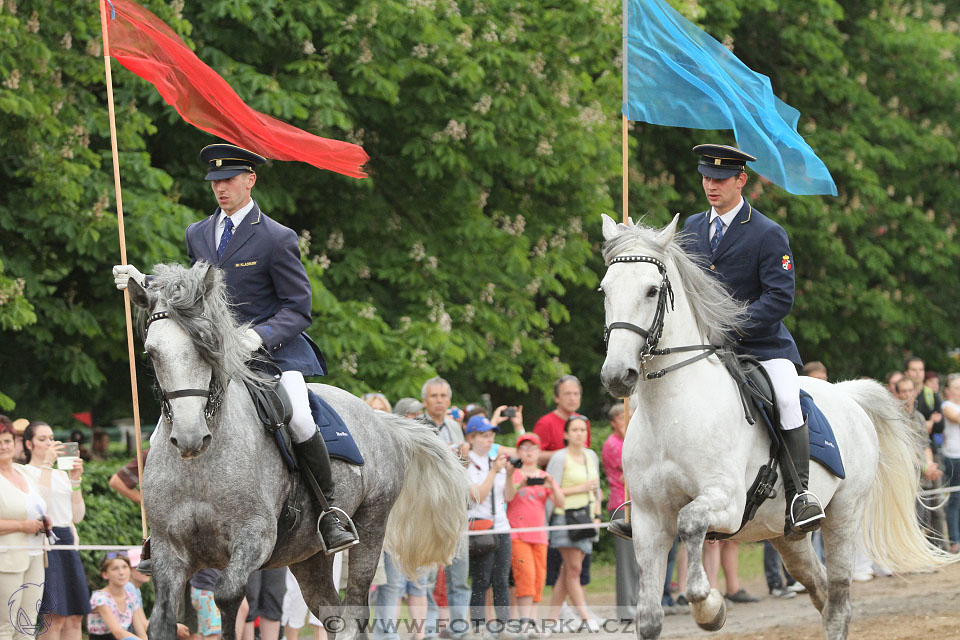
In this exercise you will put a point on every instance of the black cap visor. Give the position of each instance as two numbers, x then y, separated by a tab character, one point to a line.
225	173
718	172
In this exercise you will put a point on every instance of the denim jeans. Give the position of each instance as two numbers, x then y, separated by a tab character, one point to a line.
387	595
951	478
458	596
491	570
772	566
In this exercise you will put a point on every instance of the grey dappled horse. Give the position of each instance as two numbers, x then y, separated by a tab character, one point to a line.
215	484
689	454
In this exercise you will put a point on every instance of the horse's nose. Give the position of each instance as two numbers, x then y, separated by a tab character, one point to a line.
620	382
191	447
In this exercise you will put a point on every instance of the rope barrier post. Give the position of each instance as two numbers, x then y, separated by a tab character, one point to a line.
123	255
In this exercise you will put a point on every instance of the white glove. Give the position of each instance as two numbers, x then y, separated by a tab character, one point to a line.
251	340
122	274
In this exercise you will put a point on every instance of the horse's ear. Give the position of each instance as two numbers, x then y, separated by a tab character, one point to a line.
666	235
610	229
209	279
138	295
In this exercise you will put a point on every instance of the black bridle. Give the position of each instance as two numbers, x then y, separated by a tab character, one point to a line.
651	336
214	394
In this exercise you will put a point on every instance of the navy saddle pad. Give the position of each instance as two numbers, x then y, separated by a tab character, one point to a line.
340	443
823	446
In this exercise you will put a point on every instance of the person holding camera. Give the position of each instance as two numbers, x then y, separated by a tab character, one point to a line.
22	524
491	566
503	413
579	471
526	495
58	475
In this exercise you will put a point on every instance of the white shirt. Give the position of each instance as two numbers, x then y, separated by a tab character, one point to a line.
726	218
36	508
477	471
237	218
60	498
951	434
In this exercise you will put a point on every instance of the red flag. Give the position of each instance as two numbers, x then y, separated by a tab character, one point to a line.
145	45
85	417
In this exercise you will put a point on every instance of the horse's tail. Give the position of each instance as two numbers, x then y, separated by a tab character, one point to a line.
430	515
891	532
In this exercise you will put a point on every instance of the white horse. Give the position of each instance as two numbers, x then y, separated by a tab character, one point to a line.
690	455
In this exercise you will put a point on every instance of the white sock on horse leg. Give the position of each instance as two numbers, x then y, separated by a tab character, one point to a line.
301	424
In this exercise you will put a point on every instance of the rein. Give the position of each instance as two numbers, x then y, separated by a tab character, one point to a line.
213	394
651	336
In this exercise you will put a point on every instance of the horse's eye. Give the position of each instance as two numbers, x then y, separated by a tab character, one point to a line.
652	292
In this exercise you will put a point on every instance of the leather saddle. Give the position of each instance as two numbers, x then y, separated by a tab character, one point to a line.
275	411
759	403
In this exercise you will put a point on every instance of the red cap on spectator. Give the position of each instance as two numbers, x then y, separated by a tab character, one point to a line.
529	437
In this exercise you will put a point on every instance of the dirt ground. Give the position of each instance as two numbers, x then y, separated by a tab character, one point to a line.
918	607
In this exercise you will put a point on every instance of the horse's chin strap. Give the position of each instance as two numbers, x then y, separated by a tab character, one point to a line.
651	337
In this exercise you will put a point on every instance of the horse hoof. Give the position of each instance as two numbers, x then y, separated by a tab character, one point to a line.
711	614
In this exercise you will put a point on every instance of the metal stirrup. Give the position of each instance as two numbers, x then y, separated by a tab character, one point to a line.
352	527
802	523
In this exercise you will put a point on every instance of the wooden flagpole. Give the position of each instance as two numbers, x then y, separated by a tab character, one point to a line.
123	256
625	203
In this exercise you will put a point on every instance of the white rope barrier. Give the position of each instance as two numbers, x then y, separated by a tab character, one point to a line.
566	527
127	547
942	490
72	547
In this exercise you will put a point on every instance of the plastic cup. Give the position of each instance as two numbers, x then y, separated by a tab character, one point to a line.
71	451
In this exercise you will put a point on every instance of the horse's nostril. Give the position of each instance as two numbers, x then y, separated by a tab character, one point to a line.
173	441
206	441
631	378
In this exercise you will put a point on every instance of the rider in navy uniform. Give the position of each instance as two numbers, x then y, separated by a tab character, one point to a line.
750	254
270	289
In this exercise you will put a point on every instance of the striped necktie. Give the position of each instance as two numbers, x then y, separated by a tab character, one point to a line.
227	234
717	234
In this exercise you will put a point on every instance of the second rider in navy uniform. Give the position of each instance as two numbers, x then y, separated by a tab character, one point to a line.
750	254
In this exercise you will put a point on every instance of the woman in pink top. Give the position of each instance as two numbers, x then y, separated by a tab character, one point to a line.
526	497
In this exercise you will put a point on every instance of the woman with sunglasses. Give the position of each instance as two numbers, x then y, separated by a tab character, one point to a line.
116	613
66	598
22	523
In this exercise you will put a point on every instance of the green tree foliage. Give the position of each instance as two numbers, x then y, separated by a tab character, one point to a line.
493	130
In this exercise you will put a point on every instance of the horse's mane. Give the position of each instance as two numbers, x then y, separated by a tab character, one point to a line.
719	315
206	316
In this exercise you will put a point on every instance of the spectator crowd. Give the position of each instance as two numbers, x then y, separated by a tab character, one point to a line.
493	587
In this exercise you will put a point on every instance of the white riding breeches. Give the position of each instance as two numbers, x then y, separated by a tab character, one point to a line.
302	423
786	385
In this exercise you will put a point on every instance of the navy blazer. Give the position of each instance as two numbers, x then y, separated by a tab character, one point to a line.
755	262
266	283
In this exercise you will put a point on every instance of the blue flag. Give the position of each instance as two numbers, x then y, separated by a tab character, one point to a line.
678	76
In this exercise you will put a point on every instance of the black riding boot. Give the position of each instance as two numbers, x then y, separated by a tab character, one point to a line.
619	526
145	566
804	512
314	463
